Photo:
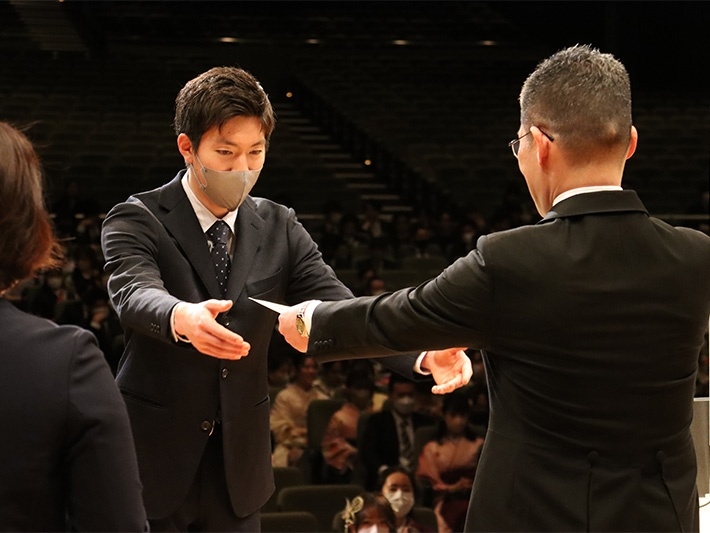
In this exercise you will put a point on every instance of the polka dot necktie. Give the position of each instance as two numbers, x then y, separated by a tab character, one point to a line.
219	235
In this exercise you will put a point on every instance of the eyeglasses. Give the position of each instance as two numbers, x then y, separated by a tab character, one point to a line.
515	143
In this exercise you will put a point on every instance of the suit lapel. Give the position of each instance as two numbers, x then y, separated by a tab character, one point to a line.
249	228
180	220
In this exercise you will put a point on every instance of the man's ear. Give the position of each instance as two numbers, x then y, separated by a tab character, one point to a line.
542	145
633	142
184	145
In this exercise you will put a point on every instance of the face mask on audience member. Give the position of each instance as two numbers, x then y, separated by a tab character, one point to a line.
404	405
373	528
226	189
401	502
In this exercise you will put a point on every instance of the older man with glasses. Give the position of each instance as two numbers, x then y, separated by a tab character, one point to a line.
590	324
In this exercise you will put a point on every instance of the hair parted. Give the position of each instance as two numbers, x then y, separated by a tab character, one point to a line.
27	242
583	97
218	95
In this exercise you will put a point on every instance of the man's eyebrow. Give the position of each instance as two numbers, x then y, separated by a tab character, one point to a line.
223	140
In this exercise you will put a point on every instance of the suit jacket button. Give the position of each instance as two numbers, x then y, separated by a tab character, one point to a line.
206	425
225	373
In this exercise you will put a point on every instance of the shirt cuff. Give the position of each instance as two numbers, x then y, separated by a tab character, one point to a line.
308	310
418	365
176	337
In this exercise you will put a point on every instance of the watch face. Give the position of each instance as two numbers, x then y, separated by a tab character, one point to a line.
300	326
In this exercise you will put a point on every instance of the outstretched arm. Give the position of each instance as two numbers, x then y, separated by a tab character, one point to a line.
451	368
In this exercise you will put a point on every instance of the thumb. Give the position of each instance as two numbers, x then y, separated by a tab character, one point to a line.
218	306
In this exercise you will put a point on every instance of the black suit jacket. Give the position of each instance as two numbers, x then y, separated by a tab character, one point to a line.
158	255
68	457
591	323
380	443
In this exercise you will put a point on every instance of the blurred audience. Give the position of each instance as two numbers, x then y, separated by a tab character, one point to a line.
448	463
288	414
388	435
339	446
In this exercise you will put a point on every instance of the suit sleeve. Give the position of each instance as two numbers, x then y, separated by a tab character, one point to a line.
310	277
105	492
313	279
130	240
453	309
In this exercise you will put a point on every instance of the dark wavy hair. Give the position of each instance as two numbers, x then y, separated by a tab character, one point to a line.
218	95
27	241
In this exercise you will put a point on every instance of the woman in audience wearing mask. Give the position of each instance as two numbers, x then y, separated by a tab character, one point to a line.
397	485
448	463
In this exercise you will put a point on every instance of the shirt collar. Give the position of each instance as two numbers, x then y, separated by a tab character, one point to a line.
204	215
584	190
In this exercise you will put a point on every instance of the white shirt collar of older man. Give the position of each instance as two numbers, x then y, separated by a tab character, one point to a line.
584	190
204	215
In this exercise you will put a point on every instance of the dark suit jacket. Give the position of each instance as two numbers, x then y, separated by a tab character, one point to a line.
68	457
380	443
591	323
158	255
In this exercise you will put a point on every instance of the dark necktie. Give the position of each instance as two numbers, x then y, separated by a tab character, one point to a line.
407	450
219	235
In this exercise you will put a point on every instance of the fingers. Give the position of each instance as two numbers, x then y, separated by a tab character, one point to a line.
218	306
447	387
222	345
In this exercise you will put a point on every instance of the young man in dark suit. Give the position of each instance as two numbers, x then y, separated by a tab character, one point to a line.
183	261
198	406
590	325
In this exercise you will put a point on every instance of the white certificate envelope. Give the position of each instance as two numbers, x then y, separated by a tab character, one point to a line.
279	308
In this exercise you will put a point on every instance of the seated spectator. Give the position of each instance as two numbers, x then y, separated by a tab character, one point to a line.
331	379
367	513
52	289
339	447
448	463
373	224
69	462
86	276
280	371
388	436
288	414
397	484
352	241
375	287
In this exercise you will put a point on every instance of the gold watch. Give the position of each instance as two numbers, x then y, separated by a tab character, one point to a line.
301	323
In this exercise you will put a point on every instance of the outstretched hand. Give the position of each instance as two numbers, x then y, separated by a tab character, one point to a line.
450	368
197	322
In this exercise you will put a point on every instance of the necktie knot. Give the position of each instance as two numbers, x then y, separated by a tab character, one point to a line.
219	232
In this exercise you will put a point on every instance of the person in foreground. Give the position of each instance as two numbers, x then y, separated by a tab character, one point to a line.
68	458
184	260
590	325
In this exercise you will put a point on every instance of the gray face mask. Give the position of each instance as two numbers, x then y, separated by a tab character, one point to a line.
226	189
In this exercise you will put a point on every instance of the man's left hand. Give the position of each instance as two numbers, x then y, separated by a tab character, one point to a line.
450	368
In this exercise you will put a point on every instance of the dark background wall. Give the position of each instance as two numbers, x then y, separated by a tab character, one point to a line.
426	90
